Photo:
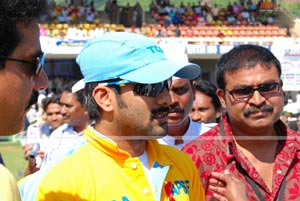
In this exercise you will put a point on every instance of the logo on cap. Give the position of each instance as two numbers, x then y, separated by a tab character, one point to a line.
154	49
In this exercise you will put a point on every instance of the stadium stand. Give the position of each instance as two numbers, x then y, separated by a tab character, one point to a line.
194	20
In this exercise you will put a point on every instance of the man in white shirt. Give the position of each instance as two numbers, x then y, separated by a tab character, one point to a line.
181	128
76	120
38	134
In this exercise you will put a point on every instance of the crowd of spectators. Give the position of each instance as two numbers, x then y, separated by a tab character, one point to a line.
186	20
71	14
237	13
86	31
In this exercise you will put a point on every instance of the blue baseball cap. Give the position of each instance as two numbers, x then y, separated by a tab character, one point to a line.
131	57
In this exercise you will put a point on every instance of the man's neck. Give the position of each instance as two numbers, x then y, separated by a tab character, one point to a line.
248	133
260	145
80	128
134	147
124	141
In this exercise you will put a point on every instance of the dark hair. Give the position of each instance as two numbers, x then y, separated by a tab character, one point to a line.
80	97
67	87
79	94
244	56
14	12
48	100
208	89
90	104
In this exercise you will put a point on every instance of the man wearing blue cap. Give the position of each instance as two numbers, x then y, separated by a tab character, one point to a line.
126	79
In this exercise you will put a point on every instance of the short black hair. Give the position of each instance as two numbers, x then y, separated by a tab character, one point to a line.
79	94
14	12
244	56
48	100
91	106
208	89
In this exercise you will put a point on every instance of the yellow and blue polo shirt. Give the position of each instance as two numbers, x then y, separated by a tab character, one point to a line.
96	169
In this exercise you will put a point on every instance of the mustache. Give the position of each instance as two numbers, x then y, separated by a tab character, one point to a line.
33	99
176	108
154	112
264	108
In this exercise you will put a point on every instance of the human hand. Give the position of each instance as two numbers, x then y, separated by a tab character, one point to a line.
27	148
226	187
32	150
31	167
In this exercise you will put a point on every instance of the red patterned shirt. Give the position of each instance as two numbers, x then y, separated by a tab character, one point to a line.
215	150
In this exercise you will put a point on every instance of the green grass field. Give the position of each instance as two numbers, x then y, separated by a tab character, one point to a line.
12	154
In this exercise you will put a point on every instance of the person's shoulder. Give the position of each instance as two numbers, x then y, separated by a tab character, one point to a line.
207	134
42	179
206	139
59	130
206	127
293	135
170	151
199	127
9	189
62	127
209	125
5	175
175	155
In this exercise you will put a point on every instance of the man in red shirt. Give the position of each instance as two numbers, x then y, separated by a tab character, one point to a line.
251	142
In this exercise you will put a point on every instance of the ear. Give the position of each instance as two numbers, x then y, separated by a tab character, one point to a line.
103	97
221	95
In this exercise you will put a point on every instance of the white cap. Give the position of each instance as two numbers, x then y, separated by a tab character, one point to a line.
78	86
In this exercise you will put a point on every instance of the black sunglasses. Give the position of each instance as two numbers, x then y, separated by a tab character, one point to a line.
37	65
150	90
266	90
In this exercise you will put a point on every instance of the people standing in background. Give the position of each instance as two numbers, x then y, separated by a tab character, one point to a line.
108	10
75	119
298	122
21	73
285	117
32	115
115	10
119	157
54	119
181	128
38	134
207	107
251	141
294	124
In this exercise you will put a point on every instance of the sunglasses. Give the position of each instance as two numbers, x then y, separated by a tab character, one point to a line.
265	90
36	65
150	90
